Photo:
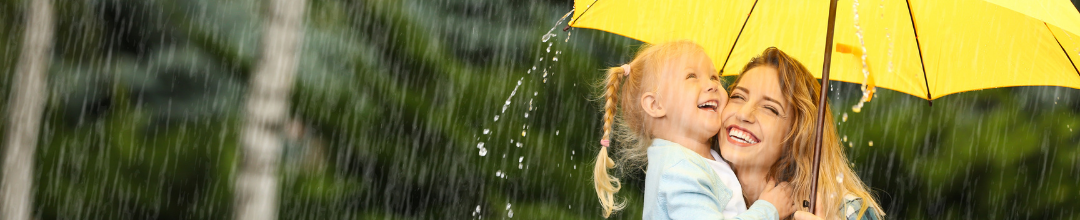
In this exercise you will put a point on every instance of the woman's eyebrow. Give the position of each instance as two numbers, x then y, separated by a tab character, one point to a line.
747	91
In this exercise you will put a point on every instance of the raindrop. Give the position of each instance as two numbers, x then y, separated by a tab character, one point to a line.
509	212
483	151
844	118
496	117
518	145
556	132
487	131
523	132
844	139
526	116
871	143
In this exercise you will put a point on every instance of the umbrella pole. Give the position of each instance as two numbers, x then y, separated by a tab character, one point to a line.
821	109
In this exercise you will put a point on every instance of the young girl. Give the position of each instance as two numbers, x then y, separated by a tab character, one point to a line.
667	102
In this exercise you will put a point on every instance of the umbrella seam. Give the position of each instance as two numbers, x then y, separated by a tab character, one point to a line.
1062	48
915	30
732	50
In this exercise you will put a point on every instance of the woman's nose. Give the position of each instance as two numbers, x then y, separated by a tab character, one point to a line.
745	113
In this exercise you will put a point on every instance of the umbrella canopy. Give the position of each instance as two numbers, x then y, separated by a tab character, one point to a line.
923	48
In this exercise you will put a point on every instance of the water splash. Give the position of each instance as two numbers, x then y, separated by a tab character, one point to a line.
867	92
551	33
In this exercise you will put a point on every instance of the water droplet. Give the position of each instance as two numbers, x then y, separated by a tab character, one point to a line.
556	132
871	143
548	36
844	118
487	131
483	151
526	116
518	145
844	139
496	117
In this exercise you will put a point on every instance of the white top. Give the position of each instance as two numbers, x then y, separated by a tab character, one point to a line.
736	205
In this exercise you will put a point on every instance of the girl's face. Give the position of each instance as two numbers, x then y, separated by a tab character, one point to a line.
756	120
689	90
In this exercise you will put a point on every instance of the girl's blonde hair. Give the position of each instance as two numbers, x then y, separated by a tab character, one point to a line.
625	120
835	178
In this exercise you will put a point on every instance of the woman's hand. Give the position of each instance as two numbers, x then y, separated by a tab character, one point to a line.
780	197
802	215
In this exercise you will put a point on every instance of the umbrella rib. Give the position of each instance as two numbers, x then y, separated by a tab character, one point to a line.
579	16
1062	48
918	46
737	37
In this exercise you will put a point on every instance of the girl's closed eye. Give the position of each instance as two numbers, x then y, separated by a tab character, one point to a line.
691	76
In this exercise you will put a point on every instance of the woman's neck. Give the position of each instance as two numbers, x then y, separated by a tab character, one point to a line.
753	182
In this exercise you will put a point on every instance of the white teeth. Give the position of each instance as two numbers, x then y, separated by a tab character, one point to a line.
741	136
712	104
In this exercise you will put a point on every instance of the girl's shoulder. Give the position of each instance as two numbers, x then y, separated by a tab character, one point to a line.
852	208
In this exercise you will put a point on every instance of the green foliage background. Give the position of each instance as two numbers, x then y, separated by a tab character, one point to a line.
393	98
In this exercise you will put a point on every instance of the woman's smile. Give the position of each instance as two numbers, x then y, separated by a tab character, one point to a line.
741	137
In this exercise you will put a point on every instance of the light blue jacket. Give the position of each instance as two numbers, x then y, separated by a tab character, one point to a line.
679	184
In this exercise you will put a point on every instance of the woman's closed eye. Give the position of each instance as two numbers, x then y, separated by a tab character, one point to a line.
737	97
773	110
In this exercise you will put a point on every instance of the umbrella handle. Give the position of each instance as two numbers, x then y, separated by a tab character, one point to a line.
822	99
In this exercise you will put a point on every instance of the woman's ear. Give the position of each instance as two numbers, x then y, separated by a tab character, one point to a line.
652	106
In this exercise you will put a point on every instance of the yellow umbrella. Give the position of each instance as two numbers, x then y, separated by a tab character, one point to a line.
925	48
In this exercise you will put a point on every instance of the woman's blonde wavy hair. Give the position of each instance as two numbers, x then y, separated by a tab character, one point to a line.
801	89
625	122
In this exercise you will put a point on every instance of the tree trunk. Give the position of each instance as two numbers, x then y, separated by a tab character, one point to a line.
266	111
27	104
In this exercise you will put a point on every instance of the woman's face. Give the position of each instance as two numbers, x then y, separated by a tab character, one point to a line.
755	120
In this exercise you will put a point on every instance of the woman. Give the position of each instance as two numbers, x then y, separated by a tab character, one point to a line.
767	134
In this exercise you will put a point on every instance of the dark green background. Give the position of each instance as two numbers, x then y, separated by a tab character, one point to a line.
394	98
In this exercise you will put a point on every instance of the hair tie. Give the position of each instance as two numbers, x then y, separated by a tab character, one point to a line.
605	142
626	69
